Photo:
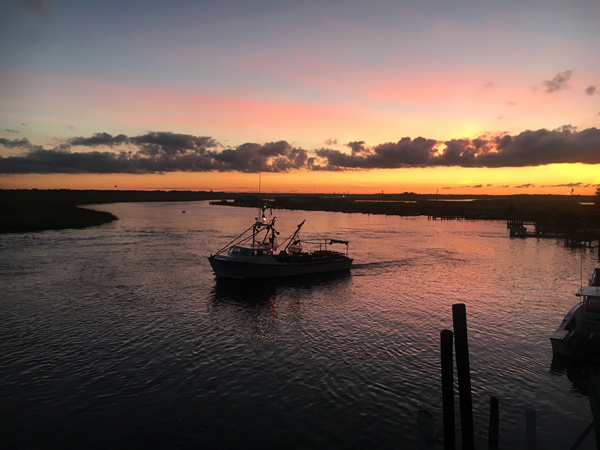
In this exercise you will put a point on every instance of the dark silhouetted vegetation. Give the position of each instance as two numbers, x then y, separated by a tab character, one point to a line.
32	210
37	210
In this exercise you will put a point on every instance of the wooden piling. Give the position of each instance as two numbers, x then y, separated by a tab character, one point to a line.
459	318
494	421
424	430
530	427
448	389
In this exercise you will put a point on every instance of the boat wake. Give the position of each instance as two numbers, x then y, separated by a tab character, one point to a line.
376	265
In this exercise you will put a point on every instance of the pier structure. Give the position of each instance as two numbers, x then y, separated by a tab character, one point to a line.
429	439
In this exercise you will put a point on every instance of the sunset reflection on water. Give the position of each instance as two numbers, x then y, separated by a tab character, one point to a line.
344	362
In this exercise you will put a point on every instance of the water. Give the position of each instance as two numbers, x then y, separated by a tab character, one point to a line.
119	336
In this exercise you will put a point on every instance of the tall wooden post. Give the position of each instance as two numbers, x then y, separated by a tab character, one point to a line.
424	430
448	389
459	318
494	422
530	428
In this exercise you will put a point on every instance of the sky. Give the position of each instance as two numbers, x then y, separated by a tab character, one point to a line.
456	97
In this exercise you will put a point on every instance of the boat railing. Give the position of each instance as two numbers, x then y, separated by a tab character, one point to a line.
325	243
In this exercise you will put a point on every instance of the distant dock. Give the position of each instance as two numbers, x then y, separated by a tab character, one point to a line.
521	228
584	237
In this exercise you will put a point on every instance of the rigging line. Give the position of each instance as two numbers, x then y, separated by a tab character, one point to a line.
234	240
317	232
581	272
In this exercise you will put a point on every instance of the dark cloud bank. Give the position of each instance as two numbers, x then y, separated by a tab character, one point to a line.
160	152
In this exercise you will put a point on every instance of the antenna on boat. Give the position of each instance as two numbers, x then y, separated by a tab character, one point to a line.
581	272
259	171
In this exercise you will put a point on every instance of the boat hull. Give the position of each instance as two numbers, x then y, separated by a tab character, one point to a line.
559	341
242	270
578	336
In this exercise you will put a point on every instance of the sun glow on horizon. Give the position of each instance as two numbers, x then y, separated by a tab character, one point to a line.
551	179
299	83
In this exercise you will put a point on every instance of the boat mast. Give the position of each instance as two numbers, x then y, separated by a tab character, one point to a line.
260	222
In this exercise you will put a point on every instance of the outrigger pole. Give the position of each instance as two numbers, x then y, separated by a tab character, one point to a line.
291	238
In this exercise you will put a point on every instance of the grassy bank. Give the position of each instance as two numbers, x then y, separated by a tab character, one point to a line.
34	216
35	210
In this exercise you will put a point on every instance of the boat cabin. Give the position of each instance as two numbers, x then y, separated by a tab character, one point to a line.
595	280
237	250
590	319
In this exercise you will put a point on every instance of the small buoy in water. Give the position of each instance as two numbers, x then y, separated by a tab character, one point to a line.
183	212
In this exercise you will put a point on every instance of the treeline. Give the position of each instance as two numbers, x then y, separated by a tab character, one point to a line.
564	211
32	210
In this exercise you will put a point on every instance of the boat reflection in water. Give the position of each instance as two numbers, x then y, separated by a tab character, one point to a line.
256	253
259	291
585	379
257	304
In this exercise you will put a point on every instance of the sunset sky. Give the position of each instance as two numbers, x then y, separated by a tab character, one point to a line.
321	96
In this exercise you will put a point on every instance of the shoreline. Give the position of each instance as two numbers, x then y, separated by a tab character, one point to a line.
43	217
38	210
24	211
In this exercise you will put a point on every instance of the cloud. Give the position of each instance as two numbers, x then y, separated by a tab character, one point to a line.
559	81
357	147
529	148
10	130
571	185
40	8
158	152
155	152
591	90
270	157
19	143
404	153
98	139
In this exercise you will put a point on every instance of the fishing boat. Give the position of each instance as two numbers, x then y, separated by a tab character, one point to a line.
256	253
578	335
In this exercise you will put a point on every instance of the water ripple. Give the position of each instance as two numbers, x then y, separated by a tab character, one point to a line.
123	328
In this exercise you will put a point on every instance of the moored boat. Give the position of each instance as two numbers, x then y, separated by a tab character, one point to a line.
578	335
256	253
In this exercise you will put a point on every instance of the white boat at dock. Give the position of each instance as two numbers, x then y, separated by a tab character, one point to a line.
578	335
256	253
